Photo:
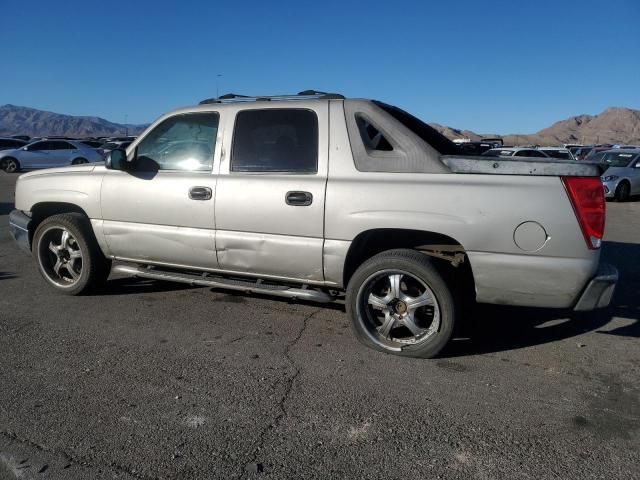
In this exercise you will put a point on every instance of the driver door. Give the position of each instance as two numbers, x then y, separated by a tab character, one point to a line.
160	210
36	155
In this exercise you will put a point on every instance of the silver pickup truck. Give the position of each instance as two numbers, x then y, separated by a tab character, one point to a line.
314	196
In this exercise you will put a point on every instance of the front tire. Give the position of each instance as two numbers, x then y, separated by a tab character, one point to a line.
10	165
623	191
399	303
68	255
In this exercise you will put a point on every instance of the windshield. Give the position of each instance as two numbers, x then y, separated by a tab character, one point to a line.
498	153
564	154
617	159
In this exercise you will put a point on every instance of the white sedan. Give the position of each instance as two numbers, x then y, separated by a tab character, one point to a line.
47	154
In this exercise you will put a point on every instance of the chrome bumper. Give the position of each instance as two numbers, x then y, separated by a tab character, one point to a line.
19	229
599	290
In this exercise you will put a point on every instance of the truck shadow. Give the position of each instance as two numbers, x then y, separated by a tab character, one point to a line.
133	285
491	328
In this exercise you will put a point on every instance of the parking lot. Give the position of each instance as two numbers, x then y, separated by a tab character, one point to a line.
159	380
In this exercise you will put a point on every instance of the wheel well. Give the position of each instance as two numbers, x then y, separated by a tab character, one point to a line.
449	255
43	210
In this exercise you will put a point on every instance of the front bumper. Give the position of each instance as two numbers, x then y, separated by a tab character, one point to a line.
599	290
609	188
19	229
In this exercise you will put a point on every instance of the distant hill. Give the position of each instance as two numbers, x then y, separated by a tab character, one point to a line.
16	120
614	125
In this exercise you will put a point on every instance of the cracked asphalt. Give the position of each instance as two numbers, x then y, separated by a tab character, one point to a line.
156	380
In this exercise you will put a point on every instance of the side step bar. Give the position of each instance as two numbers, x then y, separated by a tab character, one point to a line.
208	280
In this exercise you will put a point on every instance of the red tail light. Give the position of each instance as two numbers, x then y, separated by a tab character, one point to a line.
587	198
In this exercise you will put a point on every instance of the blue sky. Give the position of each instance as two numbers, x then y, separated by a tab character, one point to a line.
489	66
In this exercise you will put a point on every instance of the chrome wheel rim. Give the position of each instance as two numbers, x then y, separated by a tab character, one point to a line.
60	257
11	166
398	309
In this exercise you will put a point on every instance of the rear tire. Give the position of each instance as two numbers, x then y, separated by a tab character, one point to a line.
10	165
68	255
78	161
623	191
400	304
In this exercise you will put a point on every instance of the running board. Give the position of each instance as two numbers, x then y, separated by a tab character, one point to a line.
208	280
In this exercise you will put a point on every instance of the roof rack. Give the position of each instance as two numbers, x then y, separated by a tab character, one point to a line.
304	95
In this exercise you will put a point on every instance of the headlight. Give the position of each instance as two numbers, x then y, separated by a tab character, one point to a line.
610	177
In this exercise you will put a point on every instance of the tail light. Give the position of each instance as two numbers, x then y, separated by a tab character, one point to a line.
587	198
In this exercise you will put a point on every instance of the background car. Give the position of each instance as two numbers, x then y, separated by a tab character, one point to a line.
581	152
106	148
11	143
557	152
515	152
46	154
92	143
621	179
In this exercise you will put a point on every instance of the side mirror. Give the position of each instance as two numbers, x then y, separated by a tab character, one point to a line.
116	160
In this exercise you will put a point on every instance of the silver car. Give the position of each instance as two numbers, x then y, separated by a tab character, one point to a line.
621	180
46	154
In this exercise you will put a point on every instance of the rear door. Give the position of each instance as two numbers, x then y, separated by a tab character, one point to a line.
60	153
270	194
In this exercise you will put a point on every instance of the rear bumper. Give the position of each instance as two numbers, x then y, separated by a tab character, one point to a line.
546	282
19	229
599	290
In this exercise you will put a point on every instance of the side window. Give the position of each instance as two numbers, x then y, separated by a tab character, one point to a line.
38	146
275	140
372	138
57	145
182	142
66	146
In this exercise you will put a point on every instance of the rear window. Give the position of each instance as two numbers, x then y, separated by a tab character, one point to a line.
275	140
617	159
372	138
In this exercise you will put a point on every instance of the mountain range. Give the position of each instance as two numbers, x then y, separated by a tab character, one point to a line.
614	125
15	120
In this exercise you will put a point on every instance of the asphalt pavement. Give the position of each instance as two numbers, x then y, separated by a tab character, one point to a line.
159	380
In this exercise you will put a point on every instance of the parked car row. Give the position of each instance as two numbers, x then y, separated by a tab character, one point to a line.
45	152
530	152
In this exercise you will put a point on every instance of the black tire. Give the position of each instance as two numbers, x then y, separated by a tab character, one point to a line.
416	271
10	165
623	191
75	276
78	161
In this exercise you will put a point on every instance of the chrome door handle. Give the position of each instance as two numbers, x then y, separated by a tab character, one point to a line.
200	193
